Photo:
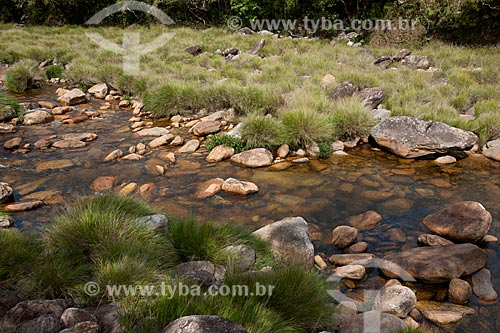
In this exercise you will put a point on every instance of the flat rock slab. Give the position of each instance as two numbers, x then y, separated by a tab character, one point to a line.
435	264
493	153
73	97
206	127
49	165
23	206
155	131
38	117
409	137
190	147
462	222
443	313
69	144
85	137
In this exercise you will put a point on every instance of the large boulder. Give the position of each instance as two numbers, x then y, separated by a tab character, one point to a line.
395	299
38	117
99	90
203	324
73	97
206	127
435	264
289	239
254	158
373	321
463	222
409	137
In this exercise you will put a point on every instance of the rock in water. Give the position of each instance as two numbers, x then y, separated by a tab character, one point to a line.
5	192
289	239
435	264
73	97
464	222
409	137
395	299
203	324
254	158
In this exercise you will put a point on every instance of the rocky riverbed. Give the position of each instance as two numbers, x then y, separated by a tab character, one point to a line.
373	202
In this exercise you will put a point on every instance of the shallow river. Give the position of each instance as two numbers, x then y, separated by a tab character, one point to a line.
324	192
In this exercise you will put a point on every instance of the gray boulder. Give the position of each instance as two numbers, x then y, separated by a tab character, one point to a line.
289	239
409	137
203	324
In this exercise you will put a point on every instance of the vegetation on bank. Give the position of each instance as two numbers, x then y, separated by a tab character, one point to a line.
9	106
280	93
98	239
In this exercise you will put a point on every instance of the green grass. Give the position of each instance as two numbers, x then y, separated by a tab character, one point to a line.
261	131
19	255
350	119
227	140
23	75
287	79
54	71
305	126
299	302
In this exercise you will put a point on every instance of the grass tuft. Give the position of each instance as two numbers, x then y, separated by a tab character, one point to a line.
53	71
22	76
261	131
350	119
305	126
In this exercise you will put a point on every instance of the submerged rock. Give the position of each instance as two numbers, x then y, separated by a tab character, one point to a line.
343	236
409	137
463	222
435	264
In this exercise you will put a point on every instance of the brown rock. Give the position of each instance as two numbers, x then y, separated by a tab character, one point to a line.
190	147
48	165
220	153
73	97
254	158
401	55
23	206
435	264
239	187
483	287
347	259
161	141
345	89
38	117
209	188
47	105
459	291
203	324
206	127
99	90
353	272
343	236
69	144
13	143
61	110
102	184
466	221
85	137
433	240
280	166
443	313
365	221
357	248
114	155
493	153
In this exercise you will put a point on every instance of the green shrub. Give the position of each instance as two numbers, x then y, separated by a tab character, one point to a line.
53	71
305	126
261	131
22	76
325	149
224	139
486	126
350	119
9	107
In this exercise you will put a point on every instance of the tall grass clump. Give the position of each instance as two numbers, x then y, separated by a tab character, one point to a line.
20	253
305	126
349	119
97	239
192	240
22	76
261	131
213	141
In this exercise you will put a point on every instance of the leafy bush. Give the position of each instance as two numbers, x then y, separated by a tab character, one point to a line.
22	76
350	119
261	131
224	139
53	71
305	126
325	149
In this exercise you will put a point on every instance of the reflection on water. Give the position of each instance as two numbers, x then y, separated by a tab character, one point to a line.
324	192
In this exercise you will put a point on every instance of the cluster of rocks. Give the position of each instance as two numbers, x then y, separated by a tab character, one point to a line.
405	57
234	186
54	316
448	256
9	206
229	54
